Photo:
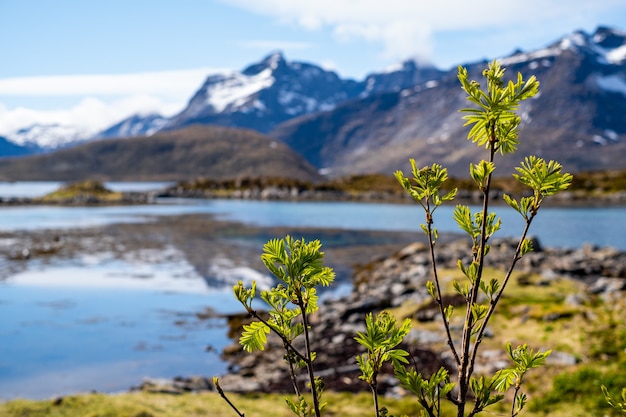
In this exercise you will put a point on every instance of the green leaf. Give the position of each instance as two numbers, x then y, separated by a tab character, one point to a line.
527	247
254	336
504	379
448	311
430	286
461	290
464	219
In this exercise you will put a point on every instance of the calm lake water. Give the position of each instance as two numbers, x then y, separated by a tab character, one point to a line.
97	323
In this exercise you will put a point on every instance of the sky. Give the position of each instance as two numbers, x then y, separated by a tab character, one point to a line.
92	63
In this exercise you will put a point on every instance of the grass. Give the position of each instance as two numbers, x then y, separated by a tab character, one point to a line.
88	189
141	404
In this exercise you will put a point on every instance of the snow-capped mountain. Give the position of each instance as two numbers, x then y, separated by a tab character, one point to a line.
136	125
579	118
259	97
48	136
274	90
265	94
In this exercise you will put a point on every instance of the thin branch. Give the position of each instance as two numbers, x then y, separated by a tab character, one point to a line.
494	301
223	395
439	300
466	367
277	332
292	371
307	347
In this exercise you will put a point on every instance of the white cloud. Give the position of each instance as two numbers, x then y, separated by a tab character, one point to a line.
407	28
103	99
163	83
90	114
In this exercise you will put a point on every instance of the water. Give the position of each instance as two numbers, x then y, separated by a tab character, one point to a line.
557	227
102	323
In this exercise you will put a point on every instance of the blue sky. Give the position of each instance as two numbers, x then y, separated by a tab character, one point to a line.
95	62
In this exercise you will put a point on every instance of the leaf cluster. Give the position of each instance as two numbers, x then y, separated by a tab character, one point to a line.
494	122
543	178
381	337
426	187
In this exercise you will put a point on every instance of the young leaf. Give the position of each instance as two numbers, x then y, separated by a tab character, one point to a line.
254	336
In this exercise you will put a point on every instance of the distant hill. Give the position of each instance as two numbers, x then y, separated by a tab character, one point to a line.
213	152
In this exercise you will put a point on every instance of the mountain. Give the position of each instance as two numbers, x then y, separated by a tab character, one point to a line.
265	94
136	125
261	96
275	90
8	149
578	118
47	136
196	151
397	78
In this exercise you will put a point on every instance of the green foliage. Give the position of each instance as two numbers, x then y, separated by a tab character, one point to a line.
524	359
494	122
582	389
614	401
298	266
425	187
381	338
494	126
428	392
544	178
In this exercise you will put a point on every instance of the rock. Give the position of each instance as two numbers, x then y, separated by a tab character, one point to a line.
401	277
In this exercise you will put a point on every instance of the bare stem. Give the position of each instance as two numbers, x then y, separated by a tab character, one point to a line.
223	395
374	386
439	300
308	361
466	366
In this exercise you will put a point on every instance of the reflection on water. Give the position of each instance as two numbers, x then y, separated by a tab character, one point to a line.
105	327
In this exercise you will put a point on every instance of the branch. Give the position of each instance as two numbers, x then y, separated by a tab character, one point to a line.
223	395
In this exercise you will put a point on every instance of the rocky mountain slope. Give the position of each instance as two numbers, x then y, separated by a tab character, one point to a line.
578	118
215	152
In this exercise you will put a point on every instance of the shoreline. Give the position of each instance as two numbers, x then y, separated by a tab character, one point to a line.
564	200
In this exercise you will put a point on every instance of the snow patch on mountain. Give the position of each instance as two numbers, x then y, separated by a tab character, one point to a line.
48	136
538	55
607	45
613	83
236	89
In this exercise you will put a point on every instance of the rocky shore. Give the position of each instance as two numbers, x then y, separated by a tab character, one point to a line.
303	192
400	279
